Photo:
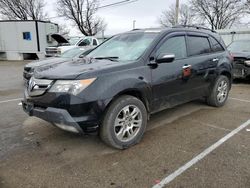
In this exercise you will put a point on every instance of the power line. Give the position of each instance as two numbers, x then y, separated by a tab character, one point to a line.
120	3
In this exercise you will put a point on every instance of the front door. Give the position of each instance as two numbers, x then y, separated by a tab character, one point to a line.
171	81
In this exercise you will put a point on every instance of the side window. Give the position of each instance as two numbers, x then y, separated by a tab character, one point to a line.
26	36
215	45
94	42
84	42
174	45
198	45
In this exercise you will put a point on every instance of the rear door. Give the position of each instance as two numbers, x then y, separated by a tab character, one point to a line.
202	61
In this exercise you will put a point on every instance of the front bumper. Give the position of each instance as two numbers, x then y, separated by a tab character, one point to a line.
59	117
65	111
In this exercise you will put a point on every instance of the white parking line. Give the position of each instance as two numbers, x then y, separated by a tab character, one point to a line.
242	100
11	100
203	154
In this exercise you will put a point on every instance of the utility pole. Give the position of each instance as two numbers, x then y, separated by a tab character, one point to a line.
134	21
177	7
103	36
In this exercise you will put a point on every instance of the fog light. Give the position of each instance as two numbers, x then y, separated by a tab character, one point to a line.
67	128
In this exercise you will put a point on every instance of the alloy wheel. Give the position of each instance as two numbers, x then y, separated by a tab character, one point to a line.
128	123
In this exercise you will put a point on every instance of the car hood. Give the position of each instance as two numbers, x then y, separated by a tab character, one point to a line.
44	62
241	54
59	38
72	69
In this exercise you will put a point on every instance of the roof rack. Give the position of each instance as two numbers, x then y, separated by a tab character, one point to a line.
194	26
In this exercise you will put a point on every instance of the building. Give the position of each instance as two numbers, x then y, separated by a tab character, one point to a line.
27	39
230	35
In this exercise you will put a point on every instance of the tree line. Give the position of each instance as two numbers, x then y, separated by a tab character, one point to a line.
216	14
82	13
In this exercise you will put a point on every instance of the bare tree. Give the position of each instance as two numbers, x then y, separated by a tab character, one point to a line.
83	14
219	14
186	16
64	30
22	9
35	9
248	6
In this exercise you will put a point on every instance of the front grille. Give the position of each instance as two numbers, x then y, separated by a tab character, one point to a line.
37	87
51	51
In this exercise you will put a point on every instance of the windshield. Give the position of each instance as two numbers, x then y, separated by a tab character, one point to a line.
239	46
72	53
125	47
73	41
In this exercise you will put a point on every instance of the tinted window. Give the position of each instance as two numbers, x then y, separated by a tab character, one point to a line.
94	42
198	45
85	42
175	45
215	45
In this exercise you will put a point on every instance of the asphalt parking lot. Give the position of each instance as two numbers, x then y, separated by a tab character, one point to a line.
35	154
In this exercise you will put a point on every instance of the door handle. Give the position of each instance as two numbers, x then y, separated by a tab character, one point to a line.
215	59
186	66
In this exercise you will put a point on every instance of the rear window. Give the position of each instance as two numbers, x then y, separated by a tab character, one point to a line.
215	45
198	45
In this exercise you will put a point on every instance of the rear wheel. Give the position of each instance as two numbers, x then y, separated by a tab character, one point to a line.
220	91
124	122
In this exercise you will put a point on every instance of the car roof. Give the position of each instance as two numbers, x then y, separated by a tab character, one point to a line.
176	28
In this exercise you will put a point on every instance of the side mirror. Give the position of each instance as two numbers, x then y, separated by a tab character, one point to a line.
165	58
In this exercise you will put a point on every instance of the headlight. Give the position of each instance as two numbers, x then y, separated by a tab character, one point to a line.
73	87
247	62
59	51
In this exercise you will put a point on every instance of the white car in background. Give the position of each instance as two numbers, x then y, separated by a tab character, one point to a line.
64	44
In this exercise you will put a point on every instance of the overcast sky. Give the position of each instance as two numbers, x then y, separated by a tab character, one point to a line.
120	18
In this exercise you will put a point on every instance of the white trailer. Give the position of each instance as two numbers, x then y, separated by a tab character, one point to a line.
25	39
230	35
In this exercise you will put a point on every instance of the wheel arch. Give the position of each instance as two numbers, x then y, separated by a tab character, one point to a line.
229	75
135	93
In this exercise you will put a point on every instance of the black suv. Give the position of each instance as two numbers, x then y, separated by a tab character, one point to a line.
119	84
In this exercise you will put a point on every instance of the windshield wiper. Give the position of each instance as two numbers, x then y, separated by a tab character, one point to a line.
111	58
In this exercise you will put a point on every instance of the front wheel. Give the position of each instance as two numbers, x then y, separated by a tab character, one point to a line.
220	91
124	122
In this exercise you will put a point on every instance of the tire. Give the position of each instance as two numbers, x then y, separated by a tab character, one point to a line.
220	91
124	122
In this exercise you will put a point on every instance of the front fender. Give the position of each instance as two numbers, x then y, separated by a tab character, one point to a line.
108	86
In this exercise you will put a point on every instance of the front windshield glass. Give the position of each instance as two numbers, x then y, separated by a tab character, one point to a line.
239	46
73	41
125	47
72	53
